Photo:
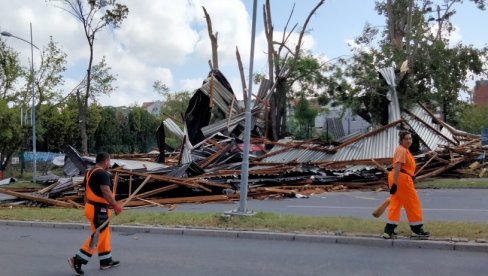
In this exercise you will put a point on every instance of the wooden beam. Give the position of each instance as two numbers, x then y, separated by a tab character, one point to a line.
158	190
443	169
36	198
426	163
380	166
127	200
191	199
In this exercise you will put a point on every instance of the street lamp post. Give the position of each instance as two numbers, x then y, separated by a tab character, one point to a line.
33	112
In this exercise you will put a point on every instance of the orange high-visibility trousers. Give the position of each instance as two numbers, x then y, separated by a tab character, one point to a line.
103	247
406	197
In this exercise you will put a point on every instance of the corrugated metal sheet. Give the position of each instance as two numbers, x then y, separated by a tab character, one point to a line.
379	145
430	137
173	128
388	74
258	102
187	148
334	127
132	164
349	136
221	96
222	124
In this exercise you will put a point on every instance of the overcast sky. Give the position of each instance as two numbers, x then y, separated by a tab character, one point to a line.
167	40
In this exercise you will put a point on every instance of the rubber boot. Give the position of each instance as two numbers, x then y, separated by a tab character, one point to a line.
418	232
389	232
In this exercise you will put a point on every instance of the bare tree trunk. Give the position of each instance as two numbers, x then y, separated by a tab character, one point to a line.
278	112
82	123
213	41
268	30
243	78
279	100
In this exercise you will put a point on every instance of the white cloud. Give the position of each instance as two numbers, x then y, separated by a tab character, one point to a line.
157	37
191	84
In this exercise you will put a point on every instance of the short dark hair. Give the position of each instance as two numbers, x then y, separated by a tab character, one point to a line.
102	156
403	134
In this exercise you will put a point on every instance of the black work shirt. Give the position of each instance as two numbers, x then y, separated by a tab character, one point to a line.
100	178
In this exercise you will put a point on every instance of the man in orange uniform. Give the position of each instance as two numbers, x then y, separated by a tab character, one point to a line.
403	193
98	198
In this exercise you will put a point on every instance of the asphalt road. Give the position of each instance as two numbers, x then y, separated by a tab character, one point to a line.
43	251
438	204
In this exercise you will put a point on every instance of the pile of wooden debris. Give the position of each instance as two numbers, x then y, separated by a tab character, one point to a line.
207	168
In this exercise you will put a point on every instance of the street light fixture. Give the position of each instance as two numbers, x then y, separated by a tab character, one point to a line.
34	157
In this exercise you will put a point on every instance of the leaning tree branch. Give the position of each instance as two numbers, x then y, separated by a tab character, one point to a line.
213	40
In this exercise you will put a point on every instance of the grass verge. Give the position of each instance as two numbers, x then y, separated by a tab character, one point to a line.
261	221
452	183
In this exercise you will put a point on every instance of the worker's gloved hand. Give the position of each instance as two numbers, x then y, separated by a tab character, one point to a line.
393	189
117	208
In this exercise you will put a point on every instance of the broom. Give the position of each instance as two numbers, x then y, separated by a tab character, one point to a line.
95	235
381	208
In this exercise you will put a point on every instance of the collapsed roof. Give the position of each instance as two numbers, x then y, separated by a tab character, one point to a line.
207	167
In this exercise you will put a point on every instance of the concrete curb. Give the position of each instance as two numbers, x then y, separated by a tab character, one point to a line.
461	245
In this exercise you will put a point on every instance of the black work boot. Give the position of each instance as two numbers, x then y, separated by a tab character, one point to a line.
418	232
109	264
75	264
389	232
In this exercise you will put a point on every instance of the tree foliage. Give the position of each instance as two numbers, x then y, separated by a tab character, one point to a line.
305	118
472	118
94	17
125	130
174	107
10	132
417	36
10	71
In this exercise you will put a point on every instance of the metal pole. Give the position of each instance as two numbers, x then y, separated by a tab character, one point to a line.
247	126
34	157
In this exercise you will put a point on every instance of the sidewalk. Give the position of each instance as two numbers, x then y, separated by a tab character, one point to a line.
401	242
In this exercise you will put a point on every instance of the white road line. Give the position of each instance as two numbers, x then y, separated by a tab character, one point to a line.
364	197
372	208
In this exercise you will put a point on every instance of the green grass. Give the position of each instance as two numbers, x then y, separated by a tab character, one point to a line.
261	222
265	221
24	184
452	183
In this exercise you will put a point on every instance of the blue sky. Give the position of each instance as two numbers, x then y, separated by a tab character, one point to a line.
167	40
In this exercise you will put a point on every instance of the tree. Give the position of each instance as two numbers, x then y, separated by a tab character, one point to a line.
108	136
305	117
281	69
49	77
10	133
94	17
175	104
59	127
472	118
431	69
174	107
10	71
142	126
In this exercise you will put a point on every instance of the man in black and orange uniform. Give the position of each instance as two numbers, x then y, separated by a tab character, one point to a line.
98	198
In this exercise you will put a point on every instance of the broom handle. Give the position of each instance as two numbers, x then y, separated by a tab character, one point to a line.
125	202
